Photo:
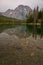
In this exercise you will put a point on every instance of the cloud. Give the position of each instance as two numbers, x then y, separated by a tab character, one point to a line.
12	4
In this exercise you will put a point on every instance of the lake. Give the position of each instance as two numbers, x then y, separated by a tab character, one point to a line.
28	29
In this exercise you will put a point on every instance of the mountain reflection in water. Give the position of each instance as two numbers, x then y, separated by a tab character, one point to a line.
33	30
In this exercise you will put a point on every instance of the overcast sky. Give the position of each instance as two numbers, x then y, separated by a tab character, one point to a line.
12	4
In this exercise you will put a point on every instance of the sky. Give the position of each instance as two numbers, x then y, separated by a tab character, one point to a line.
12	4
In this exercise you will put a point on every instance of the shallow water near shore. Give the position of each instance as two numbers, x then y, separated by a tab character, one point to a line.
19	47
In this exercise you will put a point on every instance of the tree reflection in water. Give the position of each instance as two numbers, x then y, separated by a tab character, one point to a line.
35	30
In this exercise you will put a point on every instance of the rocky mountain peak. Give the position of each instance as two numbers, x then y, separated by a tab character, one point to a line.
19	12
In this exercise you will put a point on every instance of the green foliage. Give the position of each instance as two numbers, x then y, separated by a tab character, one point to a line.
40	14
29	18
6	20
37	26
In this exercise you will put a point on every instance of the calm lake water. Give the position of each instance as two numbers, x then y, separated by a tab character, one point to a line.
30	29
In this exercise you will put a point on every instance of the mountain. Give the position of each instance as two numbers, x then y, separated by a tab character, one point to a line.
1	14
19	12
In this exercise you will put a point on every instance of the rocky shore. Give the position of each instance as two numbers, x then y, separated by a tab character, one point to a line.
16	49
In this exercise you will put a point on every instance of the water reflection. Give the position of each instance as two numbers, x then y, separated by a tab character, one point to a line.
35	30
28	29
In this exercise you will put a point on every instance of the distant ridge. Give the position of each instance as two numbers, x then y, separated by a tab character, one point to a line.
19	12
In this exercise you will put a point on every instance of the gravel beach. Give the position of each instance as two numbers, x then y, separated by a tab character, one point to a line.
16	49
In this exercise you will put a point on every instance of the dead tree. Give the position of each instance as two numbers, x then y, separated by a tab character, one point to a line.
35	21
